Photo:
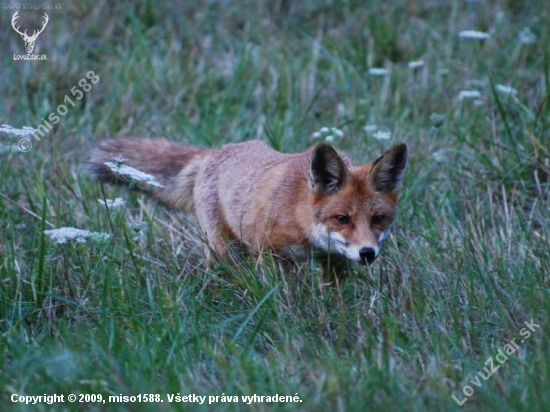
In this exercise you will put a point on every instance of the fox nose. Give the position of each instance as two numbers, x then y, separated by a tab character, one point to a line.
368	254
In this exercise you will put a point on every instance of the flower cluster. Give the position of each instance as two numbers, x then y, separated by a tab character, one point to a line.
328	134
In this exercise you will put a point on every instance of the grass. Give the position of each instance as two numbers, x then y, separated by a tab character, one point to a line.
467	265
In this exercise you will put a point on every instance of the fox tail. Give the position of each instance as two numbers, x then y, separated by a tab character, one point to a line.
163	169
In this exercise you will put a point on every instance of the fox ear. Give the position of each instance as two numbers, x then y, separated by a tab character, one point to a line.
328	172
387	171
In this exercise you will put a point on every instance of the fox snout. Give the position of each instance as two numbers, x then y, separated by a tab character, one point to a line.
363	255
367	254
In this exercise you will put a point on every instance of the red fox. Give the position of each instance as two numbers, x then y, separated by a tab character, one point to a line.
247	192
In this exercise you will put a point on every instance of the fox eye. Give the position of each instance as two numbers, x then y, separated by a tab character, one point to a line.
343	219
377	219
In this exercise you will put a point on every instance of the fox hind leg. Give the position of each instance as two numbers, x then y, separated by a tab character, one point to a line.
209	215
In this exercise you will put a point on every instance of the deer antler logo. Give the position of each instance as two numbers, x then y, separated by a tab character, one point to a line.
29	40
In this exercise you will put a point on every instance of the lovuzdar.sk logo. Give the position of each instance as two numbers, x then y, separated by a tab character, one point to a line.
29	40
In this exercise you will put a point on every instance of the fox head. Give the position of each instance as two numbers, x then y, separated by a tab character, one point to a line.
354	206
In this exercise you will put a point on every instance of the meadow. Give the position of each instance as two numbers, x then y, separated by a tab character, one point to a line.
465	84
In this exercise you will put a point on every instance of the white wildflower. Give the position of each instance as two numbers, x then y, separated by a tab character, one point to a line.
382	135
439	156
139	229
133	174
474	34
136	226
337	132
469	94
475	83
112	203
369	128
416	64
63	234
506	89
378	71
25	131
526	36
329	133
